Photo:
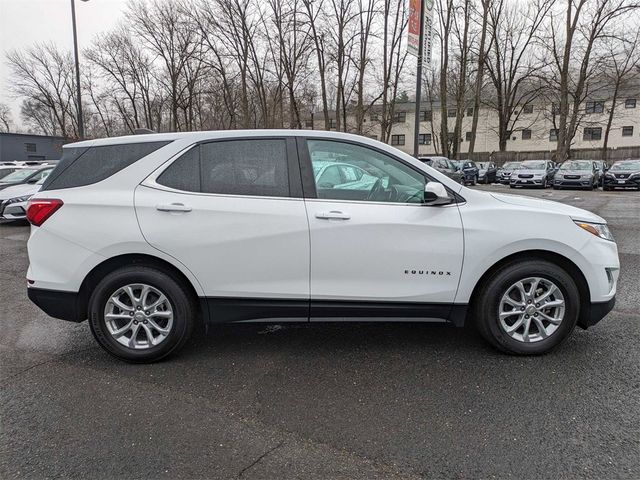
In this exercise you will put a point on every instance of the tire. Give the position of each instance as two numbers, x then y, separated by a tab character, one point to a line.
487	305
512	186
606	188
179	305
555	187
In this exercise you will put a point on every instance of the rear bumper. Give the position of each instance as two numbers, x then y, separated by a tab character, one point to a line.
58	304
595	312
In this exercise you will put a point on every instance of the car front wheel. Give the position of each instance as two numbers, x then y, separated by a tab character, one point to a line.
140	314
527	307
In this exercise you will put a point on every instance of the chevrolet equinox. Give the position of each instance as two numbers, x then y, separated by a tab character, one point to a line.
146	235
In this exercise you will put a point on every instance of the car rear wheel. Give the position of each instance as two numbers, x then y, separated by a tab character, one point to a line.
527	307
140	314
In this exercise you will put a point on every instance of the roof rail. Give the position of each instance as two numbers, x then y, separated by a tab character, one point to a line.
142	131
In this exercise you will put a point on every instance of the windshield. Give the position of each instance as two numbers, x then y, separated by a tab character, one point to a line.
511	165
576	165
628	165
533	165
483	165
18	175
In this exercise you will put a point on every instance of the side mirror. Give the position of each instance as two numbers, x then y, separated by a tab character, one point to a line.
436	194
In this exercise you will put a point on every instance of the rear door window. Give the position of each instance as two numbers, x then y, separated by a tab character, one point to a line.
232	167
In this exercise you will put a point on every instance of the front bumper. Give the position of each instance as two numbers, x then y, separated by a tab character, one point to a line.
13	211
527	182
573	182
595	312
58	304
621	182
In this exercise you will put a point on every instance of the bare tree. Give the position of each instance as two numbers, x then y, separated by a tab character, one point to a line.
586	24
479	81
623	66
5	118
513	70
43	75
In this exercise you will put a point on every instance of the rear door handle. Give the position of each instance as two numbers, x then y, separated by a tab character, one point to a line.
173	207
333	215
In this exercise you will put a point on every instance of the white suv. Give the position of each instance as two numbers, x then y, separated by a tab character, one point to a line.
146	235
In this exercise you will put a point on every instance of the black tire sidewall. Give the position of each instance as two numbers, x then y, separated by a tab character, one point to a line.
487	306
178	298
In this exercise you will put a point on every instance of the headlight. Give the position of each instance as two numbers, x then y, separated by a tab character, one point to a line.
24	198
610	175
597	229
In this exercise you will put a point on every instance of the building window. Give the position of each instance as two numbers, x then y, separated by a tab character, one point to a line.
470	112
425	115
553	135
30	147
594	107
397	139
555	109
332	123
373	137
630	103
451	137
373	117
308	123
468	136
451	113
400	117
627	131
527	109
526	134
424	139
592	133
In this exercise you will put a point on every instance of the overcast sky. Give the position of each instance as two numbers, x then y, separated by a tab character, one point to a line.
25	22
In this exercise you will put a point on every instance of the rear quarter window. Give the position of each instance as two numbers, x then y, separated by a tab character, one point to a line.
85	166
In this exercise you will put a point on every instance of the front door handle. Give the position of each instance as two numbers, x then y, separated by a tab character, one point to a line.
173	207
333	215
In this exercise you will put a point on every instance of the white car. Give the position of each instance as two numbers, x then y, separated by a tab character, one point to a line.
147	235
13	200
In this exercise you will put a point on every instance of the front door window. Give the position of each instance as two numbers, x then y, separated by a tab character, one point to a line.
343	171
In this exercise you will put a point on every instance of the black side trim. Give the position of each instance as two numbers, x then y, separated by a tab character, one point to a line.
57	304
330	308
235	309
595	312
230	309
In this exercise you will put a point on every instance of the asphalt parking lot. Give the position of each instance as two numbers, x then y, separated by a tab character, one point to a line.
324	401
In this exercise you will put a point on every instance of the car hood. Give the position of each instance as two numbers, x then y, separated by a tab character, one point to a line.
18	191
575	172
549	206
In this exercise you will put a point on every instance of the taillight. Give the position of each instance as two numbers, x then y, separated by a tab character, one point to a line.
39	209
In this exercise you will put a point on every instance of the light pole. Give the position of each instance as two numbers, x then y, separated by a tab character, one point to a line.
416	121
75	51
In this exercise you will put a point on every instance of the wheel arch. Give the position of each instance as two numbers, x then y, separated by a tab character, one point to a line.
94	276
565	263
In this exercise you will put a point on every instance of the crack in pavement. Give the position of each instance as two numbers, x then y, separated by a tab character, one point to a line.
259	459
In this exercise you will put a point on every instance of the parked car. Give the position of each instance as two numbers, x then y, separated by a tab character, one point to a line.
444	165
602	169
13	200
29	175
532	173
469	171
231	226
623	174
487	172
577	173
505	171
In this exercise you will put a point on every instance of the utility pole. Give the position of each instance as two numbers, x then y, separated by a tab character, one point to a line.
75	51
419	80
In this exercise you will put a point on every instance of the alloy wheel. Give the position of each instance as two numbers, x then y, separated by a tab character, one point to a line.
138	316
531	309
